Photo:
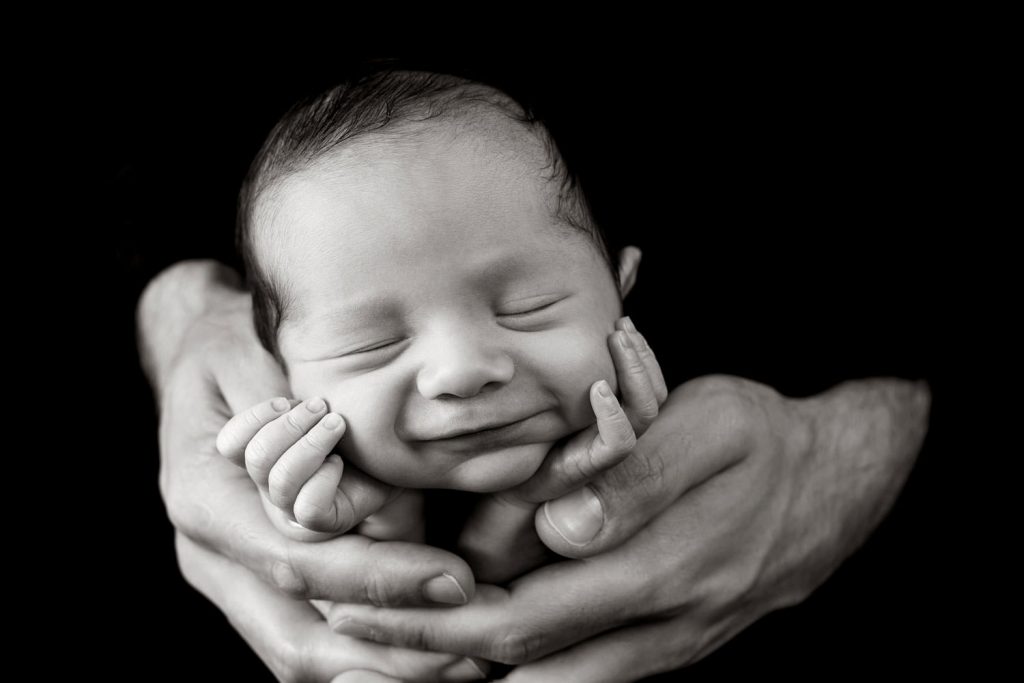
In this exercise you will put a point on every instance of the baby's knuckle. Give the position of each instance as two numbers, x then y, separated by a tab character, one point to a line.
257	455
313	442
315	516
292	424
252	418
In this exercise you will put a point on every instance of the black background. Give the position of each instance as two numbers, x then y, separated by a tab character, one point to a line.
801	215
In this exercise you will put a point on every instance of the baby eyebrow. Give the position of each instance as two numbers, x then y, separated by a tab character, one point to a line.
361	313
504	268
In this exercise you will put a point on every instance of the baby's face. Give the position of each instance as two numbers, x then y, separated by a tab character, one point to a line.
434	303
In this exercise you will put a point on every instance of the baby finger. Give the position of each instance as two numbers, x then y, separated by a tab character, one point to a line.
300	461
270	442
240	429
315	507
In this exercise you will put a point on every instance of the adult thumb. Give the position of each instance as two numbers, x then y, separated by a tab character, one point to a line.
686	445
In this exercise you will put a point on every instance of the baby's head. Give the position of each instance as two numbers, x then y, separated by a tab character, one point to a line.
420	256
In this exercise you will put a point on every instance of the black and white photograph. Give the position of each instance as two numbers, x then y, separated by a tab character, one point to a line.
588	366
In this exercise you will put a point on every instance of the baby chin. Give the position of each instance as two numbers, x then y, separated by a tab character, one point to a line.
438	466
495	470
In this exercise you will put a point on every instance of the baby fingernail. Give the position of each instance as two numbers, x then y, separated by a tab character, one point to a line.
604	389
332	421
628	325
279	404
445	589
315	405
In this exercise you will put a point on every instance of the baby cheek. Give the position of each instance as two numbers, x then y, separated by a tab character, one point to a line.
570	365
369	407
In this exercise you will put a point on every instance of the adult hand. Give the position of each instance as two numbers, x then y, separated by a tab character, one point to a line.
499	540
736	502
201	353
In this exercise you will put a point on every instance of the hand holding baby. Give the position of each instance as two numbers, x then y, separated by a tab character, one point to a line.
289	455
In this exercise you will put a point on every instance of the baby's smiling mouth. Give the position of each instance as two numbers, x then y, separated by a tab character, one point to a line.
485	430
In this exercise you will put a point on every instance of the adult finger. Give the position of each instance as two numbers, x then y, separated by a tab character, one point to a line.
700	431
350	568
647	357
244	372
364	676
553	607
292	637
625	654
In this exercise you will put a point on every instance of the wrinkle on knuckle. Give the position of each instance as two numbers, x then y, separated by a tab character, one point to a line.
256	454
645	473
312	441
293	425
516	646
316	517
345	509
288	580
627	440
251	418
649	409
281	476
377	590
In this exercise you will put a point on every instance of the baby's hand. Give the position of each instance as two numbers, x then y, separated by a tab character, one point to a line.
500	541
286	447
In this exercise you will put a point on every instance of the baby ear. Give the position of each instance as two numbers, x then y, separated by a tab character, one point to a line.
629	263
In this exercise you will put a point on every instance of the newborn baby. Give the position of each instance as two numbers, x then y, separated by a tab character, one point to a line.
440	298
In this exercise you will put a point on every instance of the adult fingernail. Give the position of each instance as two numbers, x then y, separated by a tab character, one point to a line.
577	517
464	670
604	389
332	421
445	589
627	323
625	342
279	404
315	405
349	627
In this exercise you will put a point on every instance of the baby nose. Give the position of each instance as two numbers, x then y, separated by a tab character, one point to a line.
463	369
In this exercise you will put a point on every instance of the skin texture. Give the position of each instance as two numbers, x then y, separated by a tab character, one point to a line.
678	544
289	455
432	296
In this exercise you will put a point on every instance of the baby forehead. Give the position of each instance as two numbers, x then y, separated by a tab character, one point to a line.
493	142
446	171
